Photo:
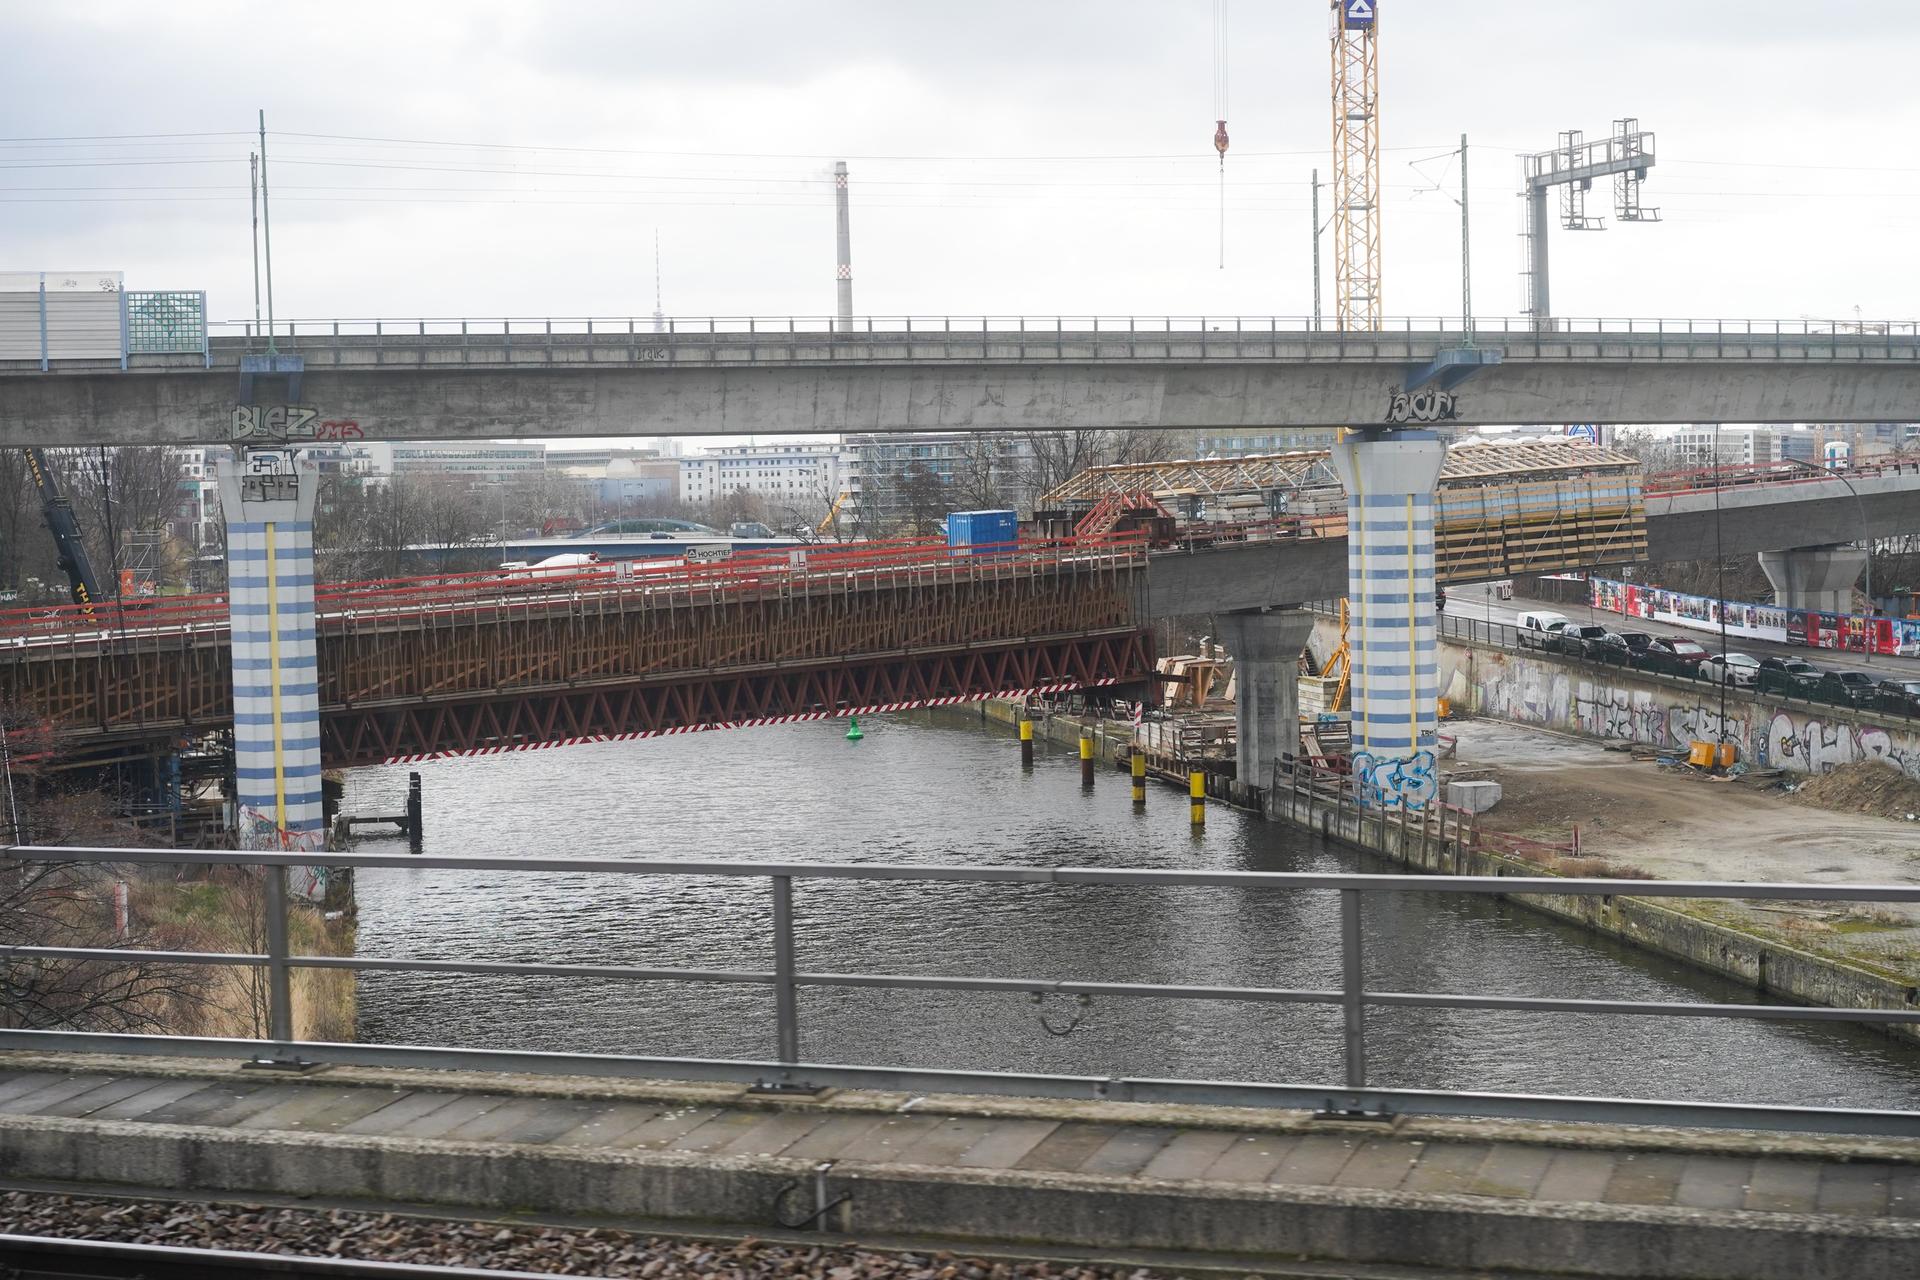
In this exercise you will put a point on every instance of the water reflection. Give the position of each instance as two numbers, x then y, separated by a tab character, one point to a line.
946	791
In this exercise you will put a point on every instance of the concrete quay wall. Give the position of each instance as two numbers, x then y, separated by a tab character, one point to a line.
1618	705
1539	691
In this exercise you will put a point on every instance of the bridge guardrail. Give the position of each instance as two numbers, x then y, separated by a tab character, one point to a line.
931	326
1779	687
786	1069
707	339
1755	474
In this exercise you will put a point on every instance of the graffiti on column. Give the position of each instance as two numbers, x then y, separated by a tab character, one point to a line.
1388	782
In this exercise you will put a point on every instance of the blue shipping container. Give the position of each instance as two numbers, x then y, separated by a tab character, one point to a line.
982	532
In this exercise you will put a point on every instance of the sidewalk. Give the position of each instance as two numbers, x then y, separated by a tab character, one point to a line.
1583	1199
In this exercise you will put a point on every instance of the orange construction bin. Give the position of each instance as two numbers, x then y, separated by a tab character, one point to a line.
1727	754
1700	755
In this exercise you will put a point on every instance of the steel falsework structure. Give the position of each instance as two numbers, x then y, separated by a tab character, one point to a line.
1356	163
490	664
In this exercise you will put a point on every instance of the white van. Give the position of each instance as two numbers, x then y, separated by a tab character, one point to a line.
1535	624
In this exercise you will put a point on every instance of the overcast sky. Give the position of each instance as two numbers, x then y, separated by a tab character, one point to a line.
1008	157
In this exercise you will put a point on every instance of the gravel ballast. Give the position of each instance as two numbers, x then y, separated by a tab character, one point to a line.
385	1237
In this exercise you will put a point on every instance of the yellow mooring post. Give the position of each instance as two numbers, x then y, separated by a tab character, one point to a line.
1197	796
1026	743
1138	766
1086	756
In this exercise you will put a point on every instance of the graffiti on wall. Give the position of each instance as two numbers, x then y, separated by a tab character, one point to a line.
1535	691
1807	745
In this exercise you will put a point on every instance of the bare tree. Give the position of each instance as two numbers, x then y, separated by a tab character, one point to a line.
71	906
1054	457
925	498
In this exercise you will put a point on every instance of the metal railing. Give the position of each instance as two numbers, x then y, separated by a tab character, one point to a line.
964	326
786	1070
1777	686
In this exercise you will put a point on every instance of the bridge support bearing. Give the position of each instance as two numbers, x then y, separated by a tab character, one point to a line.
1818	579
1266	679
1389	478
276	698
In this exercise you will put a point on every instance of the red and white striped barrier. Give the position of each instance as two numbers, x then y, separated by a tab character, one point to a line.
877	708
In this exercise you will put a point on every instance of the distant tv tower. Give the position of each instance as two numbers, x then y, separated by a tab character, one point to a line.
844	238
659	316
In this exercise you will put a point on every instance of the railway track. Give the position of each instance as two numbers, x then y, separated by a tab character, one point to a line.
51	1258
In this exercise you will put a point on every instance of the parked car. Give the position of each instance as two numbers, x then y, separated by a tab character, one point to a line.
1853	688
1902	697
1788	675
1673	654
1610	647
1538	624
1732	668
1638	641
1572	639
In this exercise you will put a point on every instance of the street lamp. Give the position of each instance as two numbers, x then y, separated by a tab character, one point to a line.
501	485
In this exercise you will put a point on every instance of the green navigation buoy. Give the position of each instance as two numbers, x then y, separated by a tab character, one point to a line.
853	729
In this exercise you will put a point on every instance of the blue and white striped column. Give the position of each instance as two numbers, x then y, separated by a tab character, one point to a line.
268	501
1389	477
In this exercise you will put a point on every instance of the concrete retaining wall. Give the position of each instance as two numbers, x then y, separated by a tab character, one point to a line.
1631	706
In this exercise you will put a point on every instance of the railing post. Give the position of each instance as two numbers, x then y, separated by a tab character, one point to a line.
1352	1003
785	1001
279	984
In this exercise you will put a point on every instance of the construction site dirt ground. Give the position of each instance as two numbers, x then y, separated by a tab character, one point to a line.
1679	825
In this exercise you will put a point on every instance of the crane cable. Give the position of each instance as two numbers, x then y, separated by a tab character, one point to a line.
1220	113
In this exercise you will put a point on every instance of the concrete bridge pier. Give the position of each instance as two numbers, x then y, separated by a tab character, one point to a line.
1266	669
268	501
1389	478
1819	579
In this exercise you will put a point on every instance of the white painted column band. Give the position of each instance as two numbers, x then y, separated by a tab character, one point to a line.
1392	634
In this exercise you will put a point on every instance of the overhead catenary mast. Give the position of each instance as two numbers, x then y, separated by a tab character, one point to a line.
659	313
843	237
1356	162
1220	113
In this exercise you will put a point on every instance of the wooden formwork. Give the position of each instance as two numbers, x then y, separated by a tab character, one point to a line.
1542	526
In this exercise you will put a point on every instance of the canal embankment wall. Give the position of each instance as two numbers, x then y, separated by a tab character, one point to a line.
1612	704
1630	706
1448	843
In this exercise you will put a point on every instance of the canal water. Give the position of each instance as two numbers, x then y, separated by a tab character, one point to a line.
947	790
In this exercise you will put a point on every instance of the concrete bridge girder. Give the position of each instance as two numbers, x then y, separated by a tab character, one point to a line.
449	398
1273	575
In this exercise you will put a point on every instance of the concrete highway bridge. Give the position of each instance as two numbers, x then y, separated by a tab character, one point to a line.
477	378
1688	516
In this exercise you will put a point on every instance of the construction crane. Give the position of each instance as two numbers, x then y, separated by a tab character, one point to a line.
58	511
1356	162
833	513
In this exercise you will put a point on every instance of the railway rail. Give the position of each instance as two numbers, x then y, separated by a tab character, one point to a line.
54	1258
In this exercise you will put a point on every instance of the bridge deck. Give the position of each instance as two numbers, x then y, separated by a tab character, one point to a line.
1577	1198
